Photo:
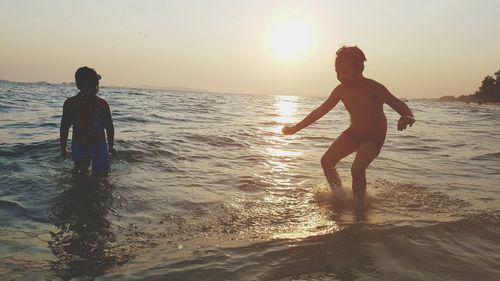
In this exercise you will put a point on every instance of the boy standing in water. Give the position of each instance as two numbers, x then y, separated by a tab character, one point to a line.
90	116
364	100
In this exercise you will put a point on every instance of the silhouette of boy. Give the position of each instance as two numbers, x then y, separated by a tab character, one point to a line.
90	116
364	99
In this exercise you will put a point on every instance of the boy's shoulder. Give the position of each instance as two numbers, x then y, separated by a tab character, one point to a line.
339	89
375	87
101	99
373	83
71	100
102	102
74	100
367	84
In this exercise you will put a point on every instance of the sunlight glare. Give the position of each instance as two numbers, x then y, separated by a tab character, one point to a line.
291	40
287	108
282	153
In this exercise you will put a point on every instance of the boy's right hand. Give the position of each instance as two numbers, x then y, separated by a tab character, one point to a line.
288	130
404	121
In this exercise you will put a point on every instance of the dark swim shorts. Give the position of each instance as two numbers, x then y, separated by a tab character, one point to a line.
97	152
360	138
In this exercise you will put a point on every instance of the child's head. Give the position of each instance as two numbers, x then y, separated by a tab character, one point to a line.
87	80
349	63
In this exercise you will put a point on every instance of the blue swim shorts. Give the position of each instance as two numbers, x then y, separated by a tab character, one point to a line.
97	152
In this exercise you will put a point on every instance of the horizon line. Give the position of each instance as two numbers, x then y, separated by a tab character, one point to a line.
185	89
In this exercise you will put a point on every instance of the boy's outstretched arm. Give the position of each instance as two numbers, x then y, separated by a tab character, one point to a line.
316	114
400	107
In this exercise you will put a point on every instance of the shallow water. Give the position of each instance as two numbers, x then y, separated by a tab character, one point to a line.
206	188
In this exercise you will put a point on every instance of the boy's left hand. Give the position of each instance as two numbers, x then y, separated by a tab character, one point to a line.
404	121
113	152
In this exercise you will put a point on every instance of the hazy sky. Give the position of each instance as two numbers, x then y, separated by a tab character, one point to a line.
416	48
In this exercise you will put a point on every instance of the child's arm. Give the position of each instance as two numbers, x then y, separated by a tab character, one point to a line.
316	114
64	130
110	131
398	106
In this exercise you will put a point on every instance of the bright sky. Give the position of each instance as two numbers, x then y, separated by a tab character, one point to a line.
421	48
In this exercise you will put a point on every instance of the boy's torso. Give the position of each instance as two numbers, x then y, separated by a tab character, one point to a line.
365	107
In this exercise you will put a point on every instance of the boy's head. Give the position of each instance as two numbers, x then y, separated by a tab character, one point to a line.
87	80
349	63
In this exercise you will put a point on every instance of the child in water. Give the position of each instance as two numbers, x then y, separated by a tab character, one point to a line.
90	116
364	99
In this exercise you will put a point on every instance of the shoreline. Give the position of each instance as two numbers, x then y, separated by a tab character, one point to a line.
493	103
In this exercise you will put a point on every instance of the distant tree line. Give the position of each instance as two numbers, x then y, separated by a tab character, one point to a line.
489	91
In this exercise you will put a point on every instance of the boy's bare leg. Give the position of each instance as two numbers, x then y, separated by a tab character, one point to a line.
367	151
334	178
340	148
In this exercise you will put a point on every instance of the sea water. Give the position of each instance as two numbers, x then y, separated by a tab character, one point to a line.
205	187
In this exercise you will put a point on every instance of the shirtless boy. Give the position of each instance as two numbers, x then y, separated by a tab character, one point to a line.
364	99
90	116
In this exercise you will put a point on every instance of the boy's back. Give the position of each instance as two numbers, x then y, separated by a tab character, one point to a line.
89	117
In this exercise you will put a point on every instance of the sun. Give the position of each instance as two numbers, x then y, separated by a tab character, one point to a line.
291	40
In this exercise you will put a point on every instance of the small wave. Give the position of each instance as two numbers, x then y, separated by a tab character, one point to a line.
271	123
11	207
10	213
135	93
214	140
466	249
130	119
487	156
162	117
244	183
32	150
146	151
458	244
32	125
147	156
317	138
407	199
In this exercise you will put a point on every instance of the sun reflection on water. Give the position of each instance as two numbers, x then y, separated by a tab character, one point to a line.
286	107
289	201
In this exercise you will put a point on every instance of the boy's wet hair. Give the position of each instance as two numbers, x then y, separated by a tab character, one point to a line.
352	55
86	74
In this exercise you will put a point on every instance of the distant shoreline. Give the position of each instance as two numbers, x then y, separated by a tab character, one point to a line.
494	103
159	88
488	93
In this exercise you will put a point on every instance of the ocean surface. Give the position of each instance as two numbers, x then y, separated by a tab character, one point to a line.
205	187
